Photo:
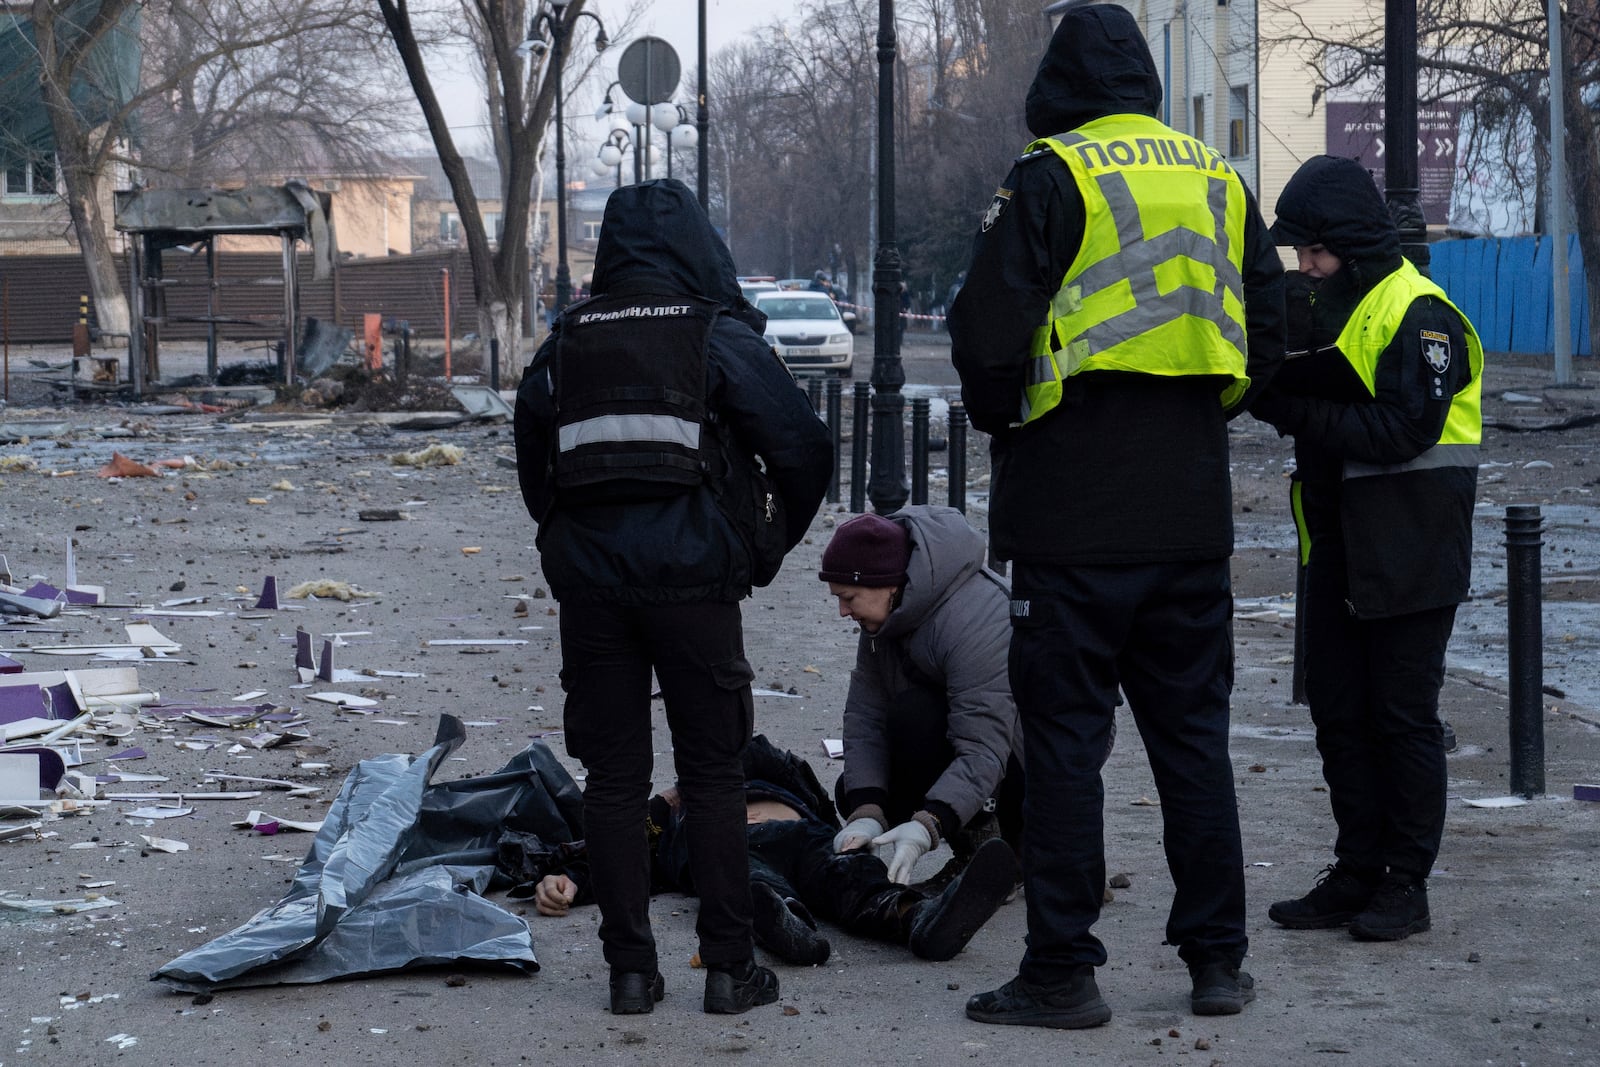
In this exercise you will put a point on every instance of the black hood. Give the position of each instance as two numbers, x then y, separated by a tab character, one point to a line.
655	238
1333	202
1097	64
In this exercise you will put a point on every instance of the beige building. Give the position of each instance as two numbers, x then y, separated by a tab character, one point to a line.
371	212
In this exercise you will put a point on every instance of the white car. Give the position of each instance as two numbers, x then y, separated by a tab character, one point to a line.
807	331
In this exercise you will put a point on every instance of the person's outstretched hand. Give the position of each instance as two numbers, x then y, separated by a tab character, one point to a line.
856	834
554	894
911	842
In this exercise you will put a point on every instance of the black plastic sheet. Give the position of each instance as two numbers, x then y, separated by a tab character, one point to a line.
394	879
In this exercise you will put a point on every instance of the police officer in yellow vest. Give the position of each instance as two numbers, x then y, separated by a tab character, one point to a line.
1383	405
1123	302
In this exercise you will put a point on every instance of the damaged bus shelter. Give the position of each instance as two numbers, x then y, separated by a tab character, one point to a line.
193	219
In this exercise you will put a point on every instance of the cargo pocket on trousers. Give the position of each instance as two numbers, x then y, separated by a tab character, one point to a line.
734	677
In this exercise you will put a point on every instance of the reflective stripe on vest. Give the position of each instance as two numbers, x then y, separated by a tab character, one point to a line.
664	429
1370	329
1179	292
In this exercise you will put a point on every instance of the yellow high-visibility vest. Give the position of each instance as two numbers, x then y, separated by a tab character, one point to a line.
1157	285
1368	331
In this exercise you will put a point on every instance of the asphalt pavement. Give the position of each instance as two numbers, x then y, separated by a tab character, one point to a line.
1505	976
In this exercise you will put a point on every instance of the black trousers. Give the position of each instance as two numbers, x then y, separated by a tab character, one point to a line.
1373	686
697	652
1162	631
796	858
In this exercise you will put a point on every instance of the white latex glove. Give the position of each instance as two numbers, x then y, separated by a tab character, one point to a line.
856	832
911	842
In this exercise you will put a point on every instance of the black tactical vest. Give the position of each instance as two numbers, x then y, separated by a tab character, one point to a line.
629	377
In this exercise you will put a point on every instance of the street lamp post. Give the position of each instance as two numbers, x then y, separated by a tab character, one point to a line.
1400	129
673	120
612	149
556	20
888	488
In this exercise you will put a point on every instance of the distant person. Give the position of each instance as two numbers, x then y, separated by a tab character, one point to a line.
1384	407
670	462
1161	302
931	740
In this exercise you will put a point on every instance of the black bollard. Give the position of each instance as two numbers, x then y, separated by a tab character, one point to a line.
858	447
494	363
403	367
1525	643
814	391
958	456
919	450
834	389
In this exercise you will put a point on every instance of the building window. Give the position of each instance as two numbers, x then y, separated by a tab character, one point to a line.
31	177
449	227
1238	122
491	224
591	231
1199	128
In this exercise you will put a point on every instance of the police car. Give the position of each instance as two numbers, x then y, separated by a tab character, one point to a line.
807	331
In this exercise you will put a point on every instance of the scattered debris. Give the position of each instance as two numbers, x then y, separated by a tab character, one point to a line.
327	588
262	823
432	456
123	467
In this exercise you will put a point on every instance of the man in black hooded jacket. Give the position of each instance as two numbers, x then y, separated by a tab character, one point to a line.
1382	399
670	462
1122	303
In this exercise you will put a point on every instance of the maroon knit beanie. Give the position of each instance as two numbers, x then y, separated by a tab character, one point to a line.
867	550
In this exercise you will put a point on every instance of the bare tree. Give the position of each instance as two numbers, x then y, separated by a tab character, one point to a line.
521	101
1493	57
324	97
92	106
795	126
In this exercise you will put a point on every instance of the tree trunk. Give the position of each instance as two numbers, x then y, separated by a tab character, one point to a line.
502	321
82	172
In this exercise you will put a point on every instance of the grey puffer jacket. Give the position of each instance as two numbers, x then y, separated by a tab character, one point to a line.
951	629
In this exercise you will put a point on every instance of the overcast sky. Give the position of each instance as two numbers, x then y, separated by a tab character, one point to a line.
674	21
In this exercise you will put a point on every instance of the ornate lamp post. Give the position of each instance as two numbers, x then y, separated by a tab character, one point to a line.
673	120
612	149
888	489
556	20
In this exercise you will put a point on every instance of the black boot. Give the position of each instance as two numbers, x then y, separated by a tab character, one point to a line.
636	992
1336	899
1396	911
735	989
941	927
784	927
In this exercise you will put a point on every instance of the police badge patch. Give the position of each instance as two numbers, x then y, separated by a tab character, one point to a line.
1436	350
1002	196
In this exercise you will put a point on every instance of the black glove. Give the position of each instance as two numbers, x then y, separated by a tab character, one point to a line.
1274	407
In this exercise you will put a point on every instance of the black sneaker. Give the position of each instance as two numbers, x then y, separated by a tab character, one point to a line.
739	988
1449	736
1075	1004
636	992
1396	911
1220	988
1336	899
784	927
942	926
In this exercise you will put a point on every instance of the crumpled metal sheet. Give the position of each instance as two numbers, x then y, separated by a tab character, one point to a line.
394	878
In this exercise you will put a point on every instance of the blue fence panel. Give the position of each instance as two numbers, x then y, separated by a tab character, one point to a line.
1504	286
1537	311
